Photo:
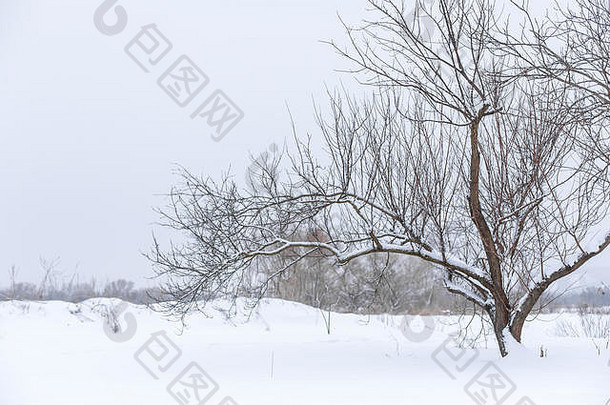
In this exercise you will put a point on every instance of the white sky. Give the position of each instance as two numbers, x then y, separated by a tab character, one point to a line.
88	140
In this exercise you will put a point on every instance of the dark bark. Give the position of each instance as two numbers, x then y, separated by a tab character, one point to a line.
500	314
521	313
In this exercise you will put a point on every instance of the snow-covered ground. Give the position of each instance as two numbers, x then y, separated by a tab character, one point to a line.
280	353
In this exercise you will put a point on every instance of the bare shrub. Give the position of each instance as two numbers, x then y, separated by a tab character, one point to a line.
591	323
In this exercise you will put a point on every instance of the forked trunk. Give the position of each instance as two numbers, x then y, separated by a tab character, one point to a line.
507	327
500	323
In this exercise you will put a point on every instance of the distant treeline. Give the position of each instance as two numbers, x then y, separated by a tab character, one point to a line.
400	286
79	291
590	296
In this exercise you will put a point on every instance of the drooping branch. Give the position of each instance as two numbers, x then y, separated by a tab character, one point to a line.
468	155
527	302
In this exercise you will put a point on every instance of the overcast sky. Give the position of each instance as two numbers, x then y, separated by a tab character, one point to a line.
88	139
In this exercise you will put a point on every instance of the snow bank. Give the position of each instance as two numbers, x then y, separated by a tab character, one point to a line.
281	352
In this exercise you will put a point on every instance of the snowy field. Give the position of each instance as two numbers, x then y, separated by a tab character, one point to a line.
281	353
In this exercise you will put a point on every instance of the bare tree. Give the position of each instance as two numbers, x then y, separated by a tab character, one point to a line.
571	49
454	160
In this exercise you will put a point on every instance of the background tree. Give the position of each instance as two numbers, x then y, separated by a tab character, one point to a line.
455	160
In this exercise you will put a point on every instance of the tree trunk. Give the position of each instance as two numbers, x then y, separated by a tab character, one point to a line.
500	314
516	327
500	319
507	327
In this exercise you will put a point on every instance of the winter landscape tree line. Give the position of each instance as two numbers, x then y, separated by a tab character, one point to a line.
475	174
370	286
483	150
